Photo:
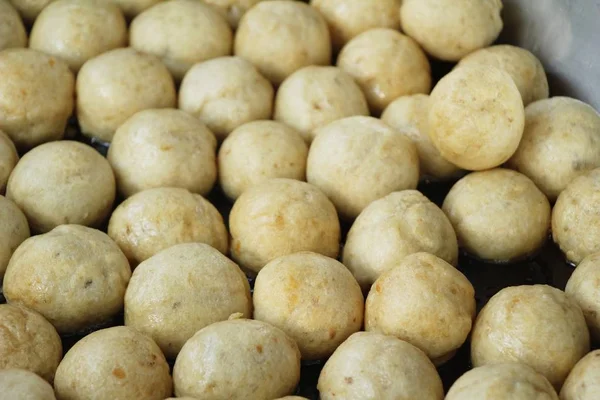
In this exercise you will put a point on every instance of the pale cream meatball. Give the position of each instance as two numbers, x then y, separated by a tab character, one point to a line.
576	217
281	36
232	10
78	30
74	276
28	341
387	65
372	366
376	160
561	141
451	29
117	84
155	219
523	67
114	363
8	159
314	96
237	359
425	301
584	288
312	298
181	33
30	9
63	182
292	398
583	382
14	229
476	117
19	384
226	93
536	325
258	151
163	148
510	381
280	217
36	97
131	8
12	30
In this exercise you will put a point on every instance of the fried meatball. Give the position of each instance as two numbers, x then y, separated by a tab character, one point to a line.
583	380
19	384
12	30
14	229
584	287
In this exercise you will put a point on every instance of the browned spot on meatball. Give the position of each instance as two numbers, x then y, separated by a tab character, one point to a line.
349	380
332	333
119	373
259	348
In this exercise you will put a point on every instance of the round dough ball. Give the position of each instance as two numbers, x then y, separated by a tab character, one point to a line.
30	9
63	182
281	36
183	289
451	29
425	301
350	18
387	65
583	381
292	398
511	381
226	93
536	325
476	117
280	217
523	67
114	363
576	217
312	298
117	84
377	161
181	33
131	8
232	10
19	384
74	276
78	30
28	341
584	288
36	97
372	366
8	159
163	148
237	359
155	219
14	229
393	227
561	141
12	30
314	96
498	215
258	151
409	116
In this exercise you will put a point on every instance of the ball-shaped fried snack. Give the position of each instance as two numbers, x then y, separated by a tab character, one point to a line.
281	36
314	96
12	30
74	276
393	227
561	141
583	380
232	10
117	84
237	359
312	298
63	182
163	148
258	151
280	217
363	366
30	9
114	363
8	159
226	93
409	115
36	97
78	30
155	219
350	18
425	301
183	289
19	384
386	64
584	287
451	29
14	229
523	67
576	217
292	398
376	160
498	215
28	341
131	8
536	325
476	117
510	381
181	33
